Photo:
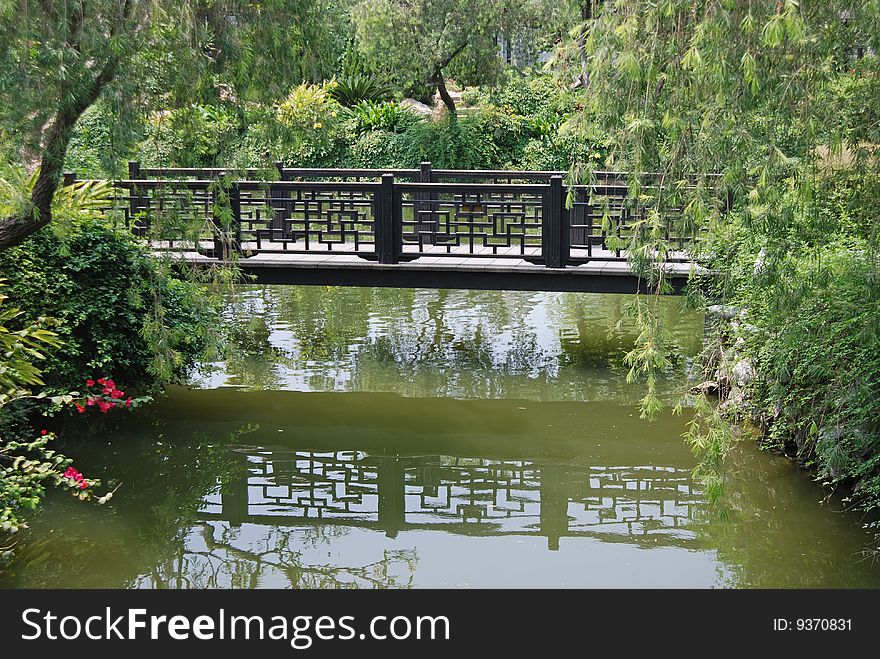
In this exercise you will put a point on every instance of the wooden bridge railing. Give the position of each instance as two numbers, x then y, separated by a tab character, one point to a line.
388	215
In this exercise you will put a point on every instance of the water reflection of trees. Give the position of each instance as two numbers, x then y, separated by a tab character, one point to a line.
439	342
279	562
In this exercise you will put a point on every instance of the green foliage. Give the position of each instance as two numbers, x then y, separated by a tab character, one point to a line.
416	43
27	464
20	349
102	140
118	309
536	96
378	148
562	152
815	340
767	95
352	90
390	117
309	126
194	136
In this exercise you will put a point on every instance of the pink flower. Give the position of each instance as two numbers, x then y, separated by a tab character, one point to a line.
70	472
128	402
90	383
102	380
79	408
104	406
83	484
109	383
116	393
90	401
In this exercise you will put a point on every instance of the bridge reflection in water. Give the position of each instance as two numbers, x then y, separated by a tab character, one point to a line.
324	490
470	496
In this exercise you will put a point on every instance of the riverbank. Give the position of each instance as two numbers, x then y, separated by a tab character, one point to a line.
808	385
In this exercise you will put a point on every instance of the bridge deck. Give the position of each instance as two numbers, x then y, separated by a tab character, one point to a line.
480	270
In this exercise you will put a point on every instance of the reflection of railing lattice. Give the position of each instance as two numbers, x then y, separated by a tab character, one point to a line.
477	495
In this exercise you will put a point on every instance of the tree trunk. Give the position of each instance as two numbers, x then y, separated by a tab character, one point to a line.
38	212
444	93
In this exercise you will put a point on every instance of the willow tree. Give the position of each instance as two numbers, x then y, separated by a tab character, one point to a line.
719	98
58	57
745	111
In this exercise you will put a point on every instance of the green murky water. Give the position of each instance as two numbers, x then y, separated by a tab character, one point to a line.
391	438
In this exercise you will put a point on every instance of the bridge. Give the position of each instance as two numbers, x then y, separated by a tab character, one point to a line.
411	228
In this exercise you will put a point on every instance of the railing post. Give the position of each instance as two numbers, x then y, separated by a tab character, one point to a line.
555	230
235	206
227	239
69	179
424	220
280	207
426	174
728	199
386	222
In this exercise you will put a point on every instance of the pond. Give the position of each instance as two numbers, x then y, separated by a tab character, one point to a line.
423	438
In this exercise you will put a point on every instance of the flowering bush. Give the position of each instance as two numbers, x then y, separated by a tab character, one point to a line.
103	395
27	463
309	127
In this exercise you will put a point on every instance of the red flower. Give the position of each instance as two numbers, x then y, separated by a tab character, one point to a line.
116	393
83	484
104	406
102	380
80	408
90	383
70	472
109	383
43	432
128	403
90	401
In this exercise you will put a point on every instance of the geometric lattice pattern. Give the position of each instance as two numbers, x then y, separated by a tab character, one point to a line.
497	217
472	495
303	220
494	223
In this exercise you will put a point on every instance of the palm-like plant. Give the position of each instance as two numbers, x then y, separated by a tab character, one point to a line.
80	201
353	89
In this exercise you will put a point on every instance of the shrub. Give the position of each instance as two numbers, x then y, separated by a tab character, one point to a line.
117	307
27	464
819	372
561	153
379	148
500	135
540	95
310	128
